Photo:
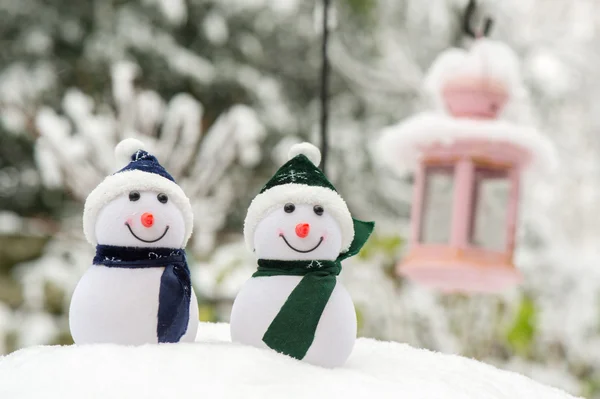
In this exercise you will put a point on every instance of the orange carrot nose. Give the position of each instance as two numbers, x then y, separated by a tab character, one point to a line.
302	229
147	219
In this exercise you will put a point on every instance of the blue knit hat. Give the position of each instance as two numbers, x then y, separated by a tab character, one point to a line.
142	160
142	172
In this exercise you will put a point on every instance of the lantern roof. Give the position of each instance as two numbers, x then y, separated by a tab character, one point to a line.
403	145
475	93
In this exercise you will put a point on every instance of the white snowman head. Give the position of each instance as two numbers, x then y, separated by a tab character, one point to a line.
298	232
139	206
298	215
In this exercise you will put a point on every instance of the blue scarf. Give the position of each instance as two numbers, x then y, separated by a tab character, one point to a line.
175	283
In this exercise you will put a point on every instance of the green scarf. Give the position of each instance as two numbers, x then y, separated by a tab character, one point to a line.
292	331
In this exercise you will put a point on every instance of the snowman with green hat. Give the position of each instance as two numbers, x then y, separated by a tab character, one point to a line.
300	229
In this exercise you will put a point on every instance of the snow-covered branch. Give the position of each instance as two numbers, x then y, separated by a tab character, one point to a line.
76	149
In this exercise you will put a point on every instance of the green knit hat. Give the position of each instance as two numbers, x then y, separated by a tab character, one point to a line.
300	181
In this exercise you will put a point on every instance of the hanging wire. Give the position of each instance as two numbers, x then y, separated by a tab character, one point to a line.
468	29
325	69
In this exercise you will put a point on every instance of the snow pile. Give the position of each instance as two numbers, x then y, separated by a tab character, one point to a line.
216	368
400	143
486	59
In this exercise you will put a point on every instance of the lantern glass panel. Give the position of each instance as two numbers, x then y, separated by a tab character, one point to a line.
436	216
490	203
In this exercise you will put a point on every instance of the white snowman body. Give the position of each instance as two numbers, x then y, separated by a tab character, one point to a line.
120	305
283	235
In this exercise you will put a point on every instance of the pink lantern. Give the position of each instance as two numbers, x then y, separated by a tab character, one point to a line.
468	168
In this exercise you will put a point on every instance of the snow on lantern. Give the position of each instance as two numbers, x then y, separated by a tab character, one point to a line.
468	163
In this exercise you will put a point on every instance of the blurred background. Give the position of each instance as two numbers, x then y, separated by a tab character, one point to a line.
219	90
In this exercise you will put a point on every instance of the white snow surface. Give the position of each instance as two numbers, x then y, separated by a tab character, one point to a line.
215	368
399	144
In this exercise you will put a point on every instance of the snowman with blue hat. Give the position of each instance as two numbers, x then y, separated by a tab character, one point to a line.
300	229
138	289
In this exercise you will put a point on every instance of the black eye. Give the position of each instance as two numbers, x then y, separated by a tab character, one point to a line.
318	210
162	198
289	208
134	196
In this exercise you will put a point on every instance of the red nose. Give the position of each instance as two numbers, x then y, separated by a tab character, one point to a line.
147	219
302	229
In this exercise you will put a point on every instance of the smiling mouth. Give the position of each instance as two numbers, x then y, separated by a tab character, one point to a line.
299	250
149	241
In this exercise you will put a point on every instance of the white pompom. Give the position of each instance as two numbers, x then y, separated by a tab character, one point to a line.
307	149
125	149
